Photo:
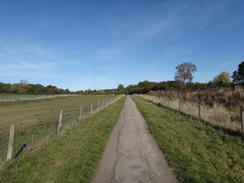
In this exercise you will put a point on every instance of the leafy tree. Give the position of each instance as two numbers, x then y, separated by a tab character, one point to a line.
223	79
130	88
88	91
40	89
238	76
146	86
52	89
5	88
121	89
15	87
184	72
211	84
100	92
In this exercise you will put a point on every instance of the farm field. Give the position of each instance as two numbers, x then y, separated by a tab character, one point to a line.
70	157
17	98
197	152
36	120
26	113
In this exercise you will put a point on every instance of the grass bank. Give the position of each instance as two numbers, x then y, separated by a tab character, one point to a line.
71	157
197	152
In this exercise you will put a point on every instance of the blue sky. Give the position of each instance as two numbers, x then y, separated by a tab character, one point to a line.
99	44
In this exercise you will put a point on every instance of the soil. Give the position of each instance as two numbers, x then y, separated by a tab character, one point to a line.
131	154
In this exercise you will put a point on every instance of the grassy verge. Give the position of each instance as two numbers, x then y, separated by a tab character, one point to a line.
198	152
72	157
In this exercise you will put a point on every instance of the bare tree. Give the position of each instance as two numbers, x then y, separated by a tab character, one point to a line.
23	82
184	72
23	86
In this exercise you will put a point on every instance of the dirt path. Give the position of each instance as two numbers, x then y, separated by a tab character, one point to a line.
131	155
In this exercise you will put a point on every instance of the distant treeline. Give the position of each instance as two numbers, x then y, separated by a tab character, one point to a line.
147	86
141	88
35	89
97	92
183	81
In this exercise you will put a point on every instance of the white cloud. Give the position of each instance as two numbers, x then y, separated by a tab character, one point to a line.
27	70
126	44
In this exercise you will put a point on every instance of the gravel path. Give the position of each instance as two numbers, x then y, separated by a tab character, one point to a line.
132	155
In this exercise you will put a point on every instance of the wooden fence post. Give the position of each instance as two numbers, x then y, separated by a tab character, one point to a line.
11	142
98	105
199	112
179	106
242	121
60	121
91	108
80	114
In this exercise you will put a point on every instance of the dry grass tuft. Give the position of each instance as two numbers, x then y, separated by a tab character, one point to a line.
216	114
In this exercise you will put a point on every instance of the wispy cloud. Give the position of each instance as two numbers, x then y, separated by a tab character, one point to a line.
22	58
112	53
91	46
162	28
23	64
175	19
27	70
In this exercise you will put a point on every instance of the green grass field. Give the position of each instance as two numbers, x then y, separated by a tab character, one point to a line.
42	111
71	157
38	119
197	152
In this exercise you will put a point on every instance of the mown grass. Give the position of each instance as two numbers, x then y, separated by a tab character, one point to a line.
198	152
71	157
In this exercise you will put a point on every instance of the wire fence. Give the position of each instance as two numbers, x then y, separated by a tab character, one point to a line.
34	135
216	115
19	98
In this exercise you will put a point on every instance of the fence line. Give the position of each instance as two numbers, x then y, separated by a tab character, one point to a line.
91	109
31	97
35	134
214	116
242	120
